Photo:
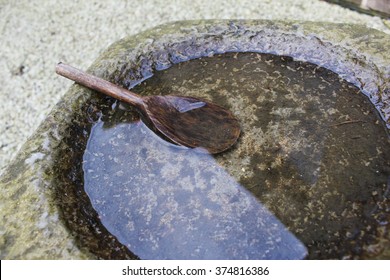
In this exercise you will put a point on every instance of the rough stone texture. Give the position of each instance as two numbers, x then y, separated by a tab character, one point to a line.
35	35
31	227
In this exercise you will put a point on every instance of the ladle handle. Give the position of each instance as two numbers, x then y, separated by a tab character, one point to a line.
99	84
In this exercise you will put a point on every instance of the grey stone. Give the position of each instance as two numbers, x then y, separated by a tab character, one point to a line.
35	217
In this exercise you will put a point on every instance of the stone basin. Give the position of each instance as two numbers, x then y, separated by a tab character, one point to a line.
309	176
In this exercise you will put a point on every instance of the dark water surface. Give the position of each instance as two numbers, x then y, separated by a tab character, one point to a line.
312	165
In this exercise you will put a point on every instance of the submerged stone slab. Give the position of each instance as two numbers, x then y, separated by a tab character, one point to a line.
45	211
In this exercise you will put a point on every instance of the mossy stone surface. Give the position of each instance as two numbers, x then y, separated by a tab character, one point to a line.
32	225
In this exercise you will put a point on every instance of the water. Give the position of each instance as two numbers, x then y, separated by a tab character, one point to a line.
184	105
313	159
165	202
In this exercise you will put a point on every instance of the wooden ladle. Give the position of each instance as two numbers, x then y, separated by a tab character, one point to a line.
186	121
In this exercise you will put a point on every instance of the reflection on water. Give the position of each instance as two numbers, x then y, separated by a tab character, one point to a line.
184	105
165	202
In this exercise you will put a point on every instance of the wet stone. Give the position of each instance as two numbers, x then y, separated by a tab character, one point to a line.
309	175
310	171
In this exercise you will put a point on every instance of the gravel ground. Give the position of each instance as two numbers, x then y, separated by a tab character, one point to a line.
35	35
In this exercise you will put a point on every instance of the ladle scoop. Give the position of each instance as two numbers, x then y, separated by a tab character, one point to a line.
186	121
